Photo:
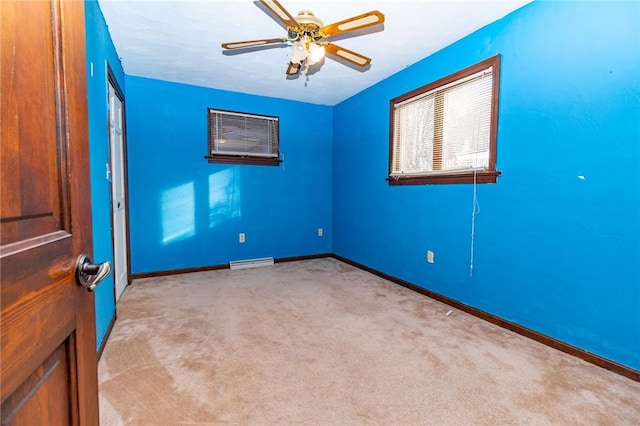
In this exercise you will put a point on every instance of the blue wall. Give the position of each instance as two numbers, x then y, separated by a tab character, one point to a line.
553	252
557	241
186	212
99	50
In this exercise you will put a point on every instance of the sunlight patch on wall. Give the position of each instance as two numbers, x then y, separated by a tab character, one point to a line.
224	197
178	213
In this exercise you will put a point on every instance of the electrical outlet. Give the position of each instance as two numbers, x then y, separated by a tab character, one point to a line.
429	256
241	237
320	232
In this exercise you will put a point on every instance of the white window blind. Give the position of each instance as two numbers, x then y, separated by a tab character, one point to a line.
240	134
445	130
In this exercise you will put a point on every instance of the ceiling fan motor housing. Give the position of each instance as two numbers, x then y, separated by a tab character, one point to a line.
310	25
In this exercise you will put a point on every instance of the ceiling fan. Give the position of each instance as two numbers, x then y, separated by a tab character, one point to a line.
307	33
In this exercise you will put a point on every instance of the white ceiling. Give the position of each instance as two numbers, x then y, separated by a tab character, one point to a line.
179	41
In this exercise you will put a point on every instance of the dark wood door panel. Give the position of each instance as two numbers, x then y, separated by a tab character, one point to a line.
32	124
44	394
28	331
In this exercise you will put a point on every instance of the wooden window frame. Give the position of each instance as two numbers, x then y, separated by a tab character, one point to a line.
241	159
489	175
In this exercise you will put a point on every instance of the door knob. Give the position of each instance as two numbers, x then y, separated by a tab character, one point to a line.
88	274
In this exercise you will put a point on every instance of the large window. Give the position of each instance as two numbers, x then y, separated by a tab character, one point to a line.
236	137
445	132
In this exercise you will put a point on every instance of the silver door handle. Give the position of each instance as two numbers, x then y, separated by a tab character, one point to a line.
88	274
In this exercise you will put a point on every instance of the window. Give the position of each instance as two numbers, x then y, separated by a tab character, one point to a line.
236	137
445	132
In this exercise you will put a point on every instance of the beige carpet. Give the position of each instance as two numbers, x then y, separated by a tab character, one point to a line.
319	342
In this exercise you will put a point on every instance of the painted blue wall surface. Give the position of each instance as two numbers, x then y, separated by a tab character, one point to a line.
557	239
100	49
186	212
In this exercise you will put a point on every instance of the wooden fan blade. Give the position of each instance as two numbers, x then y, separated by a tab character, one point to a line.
347	55
357	22
293	69
252	43
281	13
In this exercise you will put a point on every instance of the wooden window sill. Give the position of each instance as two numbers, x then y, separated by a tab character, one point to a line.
479	177
237	159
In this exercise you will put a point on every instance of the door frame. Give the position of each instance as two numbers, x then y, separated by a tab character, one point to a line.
111	79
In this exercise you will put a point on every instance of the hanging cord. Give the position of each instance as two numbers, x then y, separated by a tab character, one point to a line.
306	74
474	212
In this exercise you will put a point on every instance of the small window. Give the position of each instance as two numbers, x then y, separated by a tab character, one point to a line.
240	138
445	132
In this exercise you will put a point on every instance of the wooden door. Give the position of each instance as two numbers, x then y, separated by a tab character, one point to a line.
48	352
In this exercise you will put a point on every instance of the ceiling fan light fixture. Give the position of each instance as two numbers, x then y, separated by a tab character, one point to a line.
298	52
316	53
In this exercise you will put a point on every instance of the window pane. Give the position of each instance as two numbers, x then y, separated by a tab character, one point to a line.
415	133
243	135
466	125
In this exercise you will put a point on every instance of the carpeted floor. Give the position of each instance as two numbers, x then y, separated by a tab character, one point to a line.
319	342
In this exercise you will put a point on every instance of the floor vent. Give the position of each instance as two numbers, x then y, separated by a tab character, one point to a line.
251	263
